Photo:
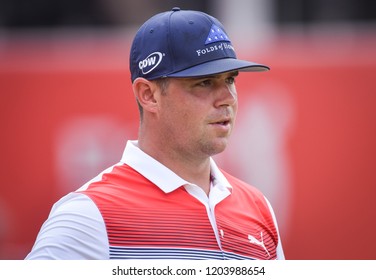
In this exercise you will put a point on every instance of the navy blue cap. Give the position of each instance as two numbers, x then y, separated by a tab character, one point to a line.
183	43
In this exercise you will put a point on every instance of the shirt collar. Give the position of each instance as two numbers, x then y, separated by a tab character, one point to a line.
159	174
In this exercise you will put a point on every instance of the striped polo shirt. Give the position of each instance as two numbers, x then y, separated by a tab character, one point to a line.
140	209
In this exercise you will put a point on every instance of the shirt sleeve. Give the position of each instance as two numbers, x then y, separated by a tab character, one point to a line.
280	253
74	230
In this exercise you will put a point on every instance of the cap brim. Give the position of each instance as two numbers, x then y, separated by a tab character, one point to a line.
219	66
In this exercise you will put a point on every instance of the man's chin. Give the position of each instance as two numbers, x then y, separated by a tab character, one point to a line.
216	147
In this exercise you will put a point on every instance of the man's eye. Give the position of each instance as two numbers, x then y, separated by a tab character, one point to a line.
205	83
231	80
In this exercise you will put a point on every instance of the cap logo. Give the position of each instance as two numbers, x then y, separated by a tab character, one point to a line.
150	62
216	34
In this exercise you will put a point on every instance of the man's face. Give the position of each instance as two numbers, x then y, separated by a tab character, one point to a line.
197	114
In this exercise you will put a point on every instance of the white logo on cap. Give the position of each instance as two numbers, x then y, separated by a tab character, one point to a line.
218	47
150	63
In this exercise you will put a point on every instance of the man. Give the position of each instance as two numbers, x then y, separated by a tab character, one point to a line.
167	198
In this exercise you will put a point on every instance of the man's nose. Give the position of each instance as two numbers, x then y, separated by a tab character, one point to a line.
226	95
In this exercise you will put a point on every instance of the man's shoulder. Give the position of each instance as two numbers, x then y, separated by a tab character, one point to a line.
118	178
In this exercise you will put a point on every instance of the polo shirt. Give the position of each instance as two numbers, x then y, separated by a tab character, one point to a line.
140	209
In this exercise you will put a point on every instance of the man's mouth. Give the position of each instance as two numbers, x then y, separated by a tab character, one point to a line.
223	122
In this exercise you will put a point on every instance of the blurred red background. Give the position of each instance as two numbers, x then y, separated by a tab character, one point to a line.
305	135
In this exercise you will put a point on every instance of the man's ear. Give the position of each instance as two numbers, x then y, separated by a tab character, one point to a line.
145	92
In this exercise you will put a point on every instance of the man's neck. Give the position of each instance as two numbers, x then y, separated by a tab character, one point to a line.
192	169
